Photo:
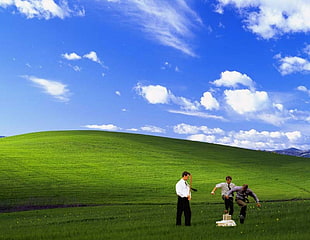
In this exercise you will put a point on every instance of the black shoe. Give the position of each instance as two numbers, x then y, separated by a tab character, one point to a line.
241	219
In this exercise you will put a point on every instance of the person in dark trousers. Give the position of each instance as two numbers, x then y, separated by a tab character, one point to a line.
183	191
242	198
226	186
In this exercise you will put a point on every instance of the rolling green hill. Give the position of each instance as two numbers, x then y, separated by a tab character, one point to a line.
96	167
131	178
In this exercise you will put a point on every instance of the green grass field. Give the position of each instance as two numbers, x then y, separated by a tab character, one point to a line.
127	182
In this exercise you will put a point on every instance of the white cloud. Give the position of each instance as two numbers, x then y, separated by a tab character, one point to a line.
92	56
244	101
290	65
56	89
42	8
293	136
278	106
269	18
307	50
154	94
303	89
153	129
234	79
169	23
197	114
185	103
118	93
274	119
202	138
108	127
183	128
209	102
157	94
71	56
251	139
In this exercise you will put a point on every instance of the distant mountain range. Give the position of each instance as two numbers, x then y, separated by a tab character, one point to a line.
294	152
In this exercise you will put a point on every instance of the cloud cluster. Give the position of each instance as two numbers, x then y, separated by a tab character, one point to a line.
171	23
92	55
112	127
251	139
107	127
56	89
270	18
294	64
246	102
45	9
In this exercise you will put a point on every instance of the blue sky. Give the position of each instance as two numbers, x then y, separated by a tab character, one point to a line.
232	72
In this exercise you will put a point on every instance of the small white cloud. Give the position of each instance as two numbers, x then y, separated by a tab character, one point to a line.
293	136
183	128
93	57
234	79
307	50
108	127
71	56
185	103
154	94
290	65
153	129
118	93
278	106
157	94
202	138
76	68
209	102
56	89
197	114
273	119
42	8
303	89
244	101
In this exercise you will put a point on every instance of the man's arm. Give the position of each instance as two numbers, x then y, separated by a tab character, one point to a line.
213	191
231	191
252	194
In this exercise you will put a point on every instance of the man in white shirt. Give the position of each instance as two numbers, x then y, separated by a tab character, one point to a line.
183	191
226	186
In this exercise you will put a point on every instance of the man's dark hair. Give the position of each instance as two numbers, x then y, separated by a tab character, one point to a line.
185	174
229	177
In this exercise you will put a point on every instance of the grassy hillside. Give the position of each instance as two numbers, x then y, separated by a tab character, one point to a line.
95	167
132	179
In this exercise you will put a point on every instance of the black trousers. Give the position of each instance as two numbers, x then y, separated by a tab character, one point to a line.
229	204
183	206
243	206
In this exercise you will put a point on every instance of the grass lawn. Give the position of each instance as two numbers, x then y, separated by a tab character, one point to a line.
278	220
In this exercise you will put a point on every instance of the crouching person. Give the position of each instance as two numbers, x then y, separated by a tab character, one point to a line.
242	193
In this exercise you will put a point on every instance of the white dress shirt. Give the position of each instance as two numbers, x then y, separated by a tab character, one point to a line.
224	187
182	188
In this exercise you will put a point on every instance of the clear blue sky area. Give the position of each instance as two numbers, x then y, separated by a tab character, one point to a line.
232	72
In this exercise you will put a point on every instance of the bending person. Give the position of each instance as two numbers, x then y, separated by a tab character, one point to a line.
242	198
